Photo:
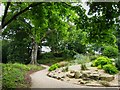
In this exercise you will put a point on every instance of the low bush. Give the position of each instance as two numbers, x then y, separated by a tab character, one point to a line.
53	67
101	61
14	75
110	51
111	69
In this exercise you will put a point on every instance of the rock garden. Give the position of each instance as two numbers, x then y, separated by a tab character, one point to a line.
100	72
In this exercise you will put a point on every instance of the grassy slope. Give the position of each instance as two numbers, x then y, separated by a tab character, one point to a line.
17	75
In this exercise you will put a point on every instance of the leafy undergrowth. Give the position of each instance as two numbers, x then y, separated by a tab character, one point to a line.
17	75
51	61
106	64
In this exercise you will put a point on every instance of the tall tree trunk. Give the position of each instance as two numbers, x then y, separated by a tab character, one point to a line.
34	53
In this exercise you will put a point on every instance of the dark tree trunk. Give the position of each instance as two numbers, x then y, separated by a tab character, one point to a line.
34	53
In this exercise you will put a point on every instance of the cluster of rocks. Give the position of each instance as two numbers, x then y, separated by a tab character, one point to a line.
90	77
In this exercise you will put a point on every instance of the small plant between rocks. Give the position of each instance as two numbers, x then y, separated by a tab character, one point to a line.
82	59
53	67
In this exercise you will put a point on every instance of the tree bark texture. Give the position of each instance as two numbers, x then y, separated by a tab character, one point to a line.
34	53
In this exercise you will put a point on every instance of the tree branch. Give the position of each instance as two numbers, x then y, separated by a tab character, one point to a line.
5	13
19	13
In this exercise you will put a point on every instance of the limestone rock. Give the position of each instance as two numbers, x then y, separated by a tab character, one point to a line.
85	75
50	74
105	83
106	77
86	71
94	76
93	83
82	81
75	68
70	75
77	75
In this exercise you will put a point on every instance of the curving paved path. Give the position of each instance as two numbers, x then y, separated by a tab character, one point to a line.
41	80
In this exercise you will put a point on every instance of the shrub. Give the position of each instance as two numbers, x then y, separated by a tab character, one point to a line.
21	66
111	69
110	51
101	61
53	67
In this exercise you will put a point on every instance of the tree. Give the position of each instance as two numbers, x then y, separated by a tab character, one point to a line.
104	23
37	21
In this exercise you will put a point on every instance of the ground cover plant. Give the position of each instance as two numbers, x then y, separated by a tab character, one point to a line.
16	75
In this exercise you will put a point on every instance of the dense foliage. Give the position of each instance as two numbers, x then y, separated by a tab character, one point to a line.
110	52
111	69
62	26
106	64
101	61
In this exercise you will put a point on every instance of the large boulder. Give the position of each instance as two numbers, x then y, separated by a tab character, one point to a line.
106	77
75	68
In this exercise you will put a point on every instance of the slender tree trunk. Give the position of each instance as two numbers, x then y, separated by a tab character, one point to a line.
34	53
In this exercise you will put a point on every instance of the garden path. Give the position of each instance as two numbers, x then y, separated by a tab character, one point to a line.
41	80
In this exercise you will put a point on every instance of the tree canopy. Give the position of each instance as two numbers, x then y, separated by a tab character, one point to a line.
60	25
